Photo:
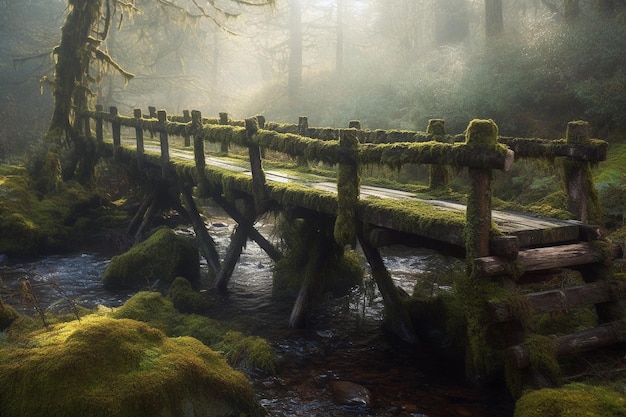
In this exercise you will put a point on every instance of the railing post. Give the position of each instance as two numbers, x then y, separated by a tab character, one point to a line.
224	121
303	126
139	137
165	147
186	119
115	128
99	134
261	123
479	134
256	167
198	152
578	180
153	115
348	183
439	174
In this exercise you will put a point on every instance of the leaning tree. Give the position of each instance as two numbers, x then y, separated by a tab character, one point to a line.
81	59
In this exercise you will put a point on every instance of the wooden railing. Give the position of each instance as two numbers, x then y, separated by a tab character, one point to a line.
480	149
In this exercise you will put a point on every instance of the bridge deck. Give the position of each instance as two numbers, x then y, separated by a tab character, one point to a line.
531	230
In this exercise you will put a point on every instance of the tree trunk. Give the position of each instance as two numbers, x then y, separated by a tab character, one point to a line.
295	49
494	21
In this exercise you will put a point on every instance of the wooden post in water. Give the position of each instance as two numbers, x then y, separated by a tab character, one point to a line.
165	147
348	184
439	174
99	134
186	119
237	241
480	134
394	308
139	137
224	121
578	180
115	127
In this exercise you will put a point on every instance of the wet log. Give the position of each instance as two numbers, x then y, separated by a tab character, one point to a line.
237	243
559	300
206	243
394	309
504	246
540	259
597	337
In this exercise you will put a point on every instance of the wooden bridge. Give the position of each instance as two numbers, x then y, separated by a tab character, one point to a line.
511	249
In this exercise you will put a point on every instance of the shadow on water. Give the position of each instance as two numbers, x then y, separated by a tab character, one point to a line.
344	339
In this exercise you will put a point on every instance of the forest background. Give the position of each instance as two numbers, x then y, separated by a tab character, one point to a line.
531	65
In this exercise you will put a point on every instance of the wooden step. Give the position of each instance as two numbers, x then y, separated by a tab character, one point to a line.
594	338
559	299
540	259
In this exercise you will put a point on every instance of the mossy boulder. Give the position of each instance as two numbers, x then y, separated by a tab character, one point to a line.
102	366
7	316
157	261
248	352
159	312
185	298
573	400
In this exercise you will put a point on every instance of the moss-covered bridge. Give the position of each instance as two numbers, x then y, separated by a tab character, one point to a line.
500	247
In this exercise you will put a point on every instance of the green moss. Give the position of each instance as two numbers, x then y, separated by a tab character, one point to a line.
158	260
481	133
248	352
573	400
484	337
7	316
310	250
102	366
32	222
348	183
159	312
185	298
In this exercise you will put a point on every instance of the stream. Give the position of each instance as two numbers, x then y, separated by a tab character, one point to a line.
344	339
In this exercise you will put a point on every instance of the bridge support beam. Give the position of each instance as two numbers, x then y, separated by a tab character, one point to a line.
235	247
394	310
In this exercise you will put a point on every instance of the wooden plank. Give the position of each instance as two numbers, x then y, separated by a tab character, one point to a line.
597	337
541	259
556	300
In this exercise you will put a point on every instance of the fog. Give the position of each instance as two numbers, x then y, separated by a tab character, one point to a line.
532	66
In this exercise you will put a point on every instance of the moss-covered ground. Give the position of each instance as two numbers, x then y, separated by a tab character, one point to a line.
143	358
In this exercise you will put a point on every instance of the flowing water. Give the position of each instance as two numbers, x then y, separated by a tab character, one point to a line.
344	339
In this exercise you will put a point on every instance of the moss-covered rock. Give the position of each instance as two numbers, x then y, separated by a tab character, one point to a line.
159	312
573	400
102	366
156	261
32	223
248	352
185	298
7	316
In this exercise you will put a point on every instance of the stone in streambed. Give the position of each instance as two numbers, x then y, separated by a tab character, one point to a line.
349	394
